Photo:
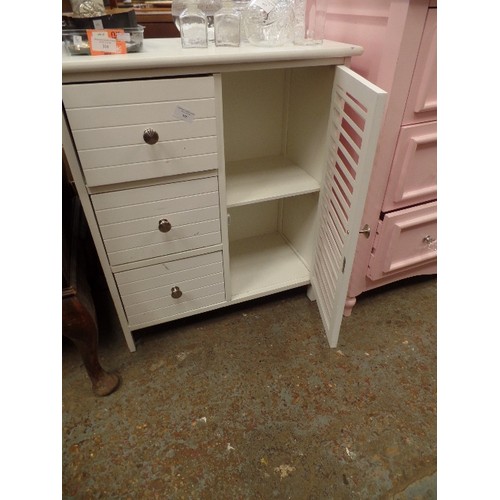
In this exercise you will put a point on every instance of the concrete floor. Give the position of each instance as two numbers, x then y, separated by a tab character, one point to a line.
251	403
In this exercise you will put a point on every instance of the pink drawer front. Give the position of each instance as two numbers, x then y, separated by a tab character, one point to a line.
402	241
413	177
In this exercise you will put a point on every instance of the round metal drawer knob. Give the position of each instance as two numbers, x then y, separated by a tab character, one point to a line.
150	136
176	292
431	242
164	226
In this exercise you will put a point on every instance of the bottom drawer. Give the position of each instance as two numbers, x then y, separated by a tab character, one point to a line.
405	239
162	292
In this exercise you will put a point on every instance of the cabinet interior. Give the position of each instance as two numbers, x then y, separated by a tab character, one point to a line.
275	131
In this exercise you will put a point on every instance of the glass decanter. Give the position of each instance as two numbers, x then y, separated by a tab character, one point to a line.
227	26
193	27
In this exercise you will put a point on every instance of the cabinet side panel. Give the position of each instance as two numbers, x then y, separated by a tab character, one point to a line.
308	112
364	23
253	113
422	99
94	230
253	220
219	113
299	225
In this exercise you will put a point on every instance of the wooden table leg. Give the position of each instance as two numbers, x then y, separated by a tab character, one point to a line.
80	327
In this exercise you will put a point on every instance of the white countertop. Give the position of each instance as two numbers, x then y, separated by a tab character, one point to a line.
160	53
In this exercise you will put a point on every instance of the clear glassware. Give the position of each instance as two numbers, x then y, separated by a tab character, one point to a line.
193	27
227	26
210	7
240	6
309	24
268	23
176	9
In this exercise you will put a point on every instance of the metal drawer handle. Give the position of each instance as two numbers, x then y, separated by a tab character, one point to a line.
431	242
366	230
164	226
150	136
176	292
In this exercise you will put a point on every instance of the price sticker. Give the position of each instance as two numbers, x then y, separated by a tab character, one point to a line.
107	41
183	114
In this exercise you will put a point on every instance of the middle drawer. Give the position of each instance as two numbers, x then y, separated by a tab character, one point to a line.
147	222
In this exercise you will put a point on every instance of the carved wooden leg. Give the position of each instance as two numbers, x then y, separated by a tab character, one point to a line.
79	326
349	304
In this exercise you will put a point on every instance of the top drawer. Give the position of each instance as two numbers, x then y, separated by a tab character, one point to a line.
109	121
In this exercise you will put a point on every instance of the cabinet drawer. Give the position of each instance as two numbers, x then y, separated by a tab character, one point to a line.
86	95
131	221
401	244
146	293
413	176
109	120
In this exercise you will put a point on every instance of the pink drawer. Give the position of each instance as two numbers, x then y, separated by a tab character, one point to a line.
413	178
402	241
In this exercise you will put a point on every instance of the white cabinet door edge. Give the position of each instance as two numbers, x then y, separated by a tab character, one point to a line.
356	113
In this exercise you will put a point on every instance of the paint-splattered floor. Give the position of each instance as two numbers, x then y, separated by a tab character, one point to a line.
250	403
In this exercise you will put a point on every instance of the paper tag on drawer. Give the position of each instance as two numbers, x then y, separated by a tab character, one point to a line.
183	114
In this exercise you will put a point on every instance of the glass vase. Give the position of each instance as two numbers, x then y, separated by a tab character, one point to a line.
193	27
309	21
268	23
227	26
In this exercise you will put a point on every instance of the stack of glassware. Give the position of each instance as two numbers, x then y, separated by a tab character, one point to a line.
266	23
207	21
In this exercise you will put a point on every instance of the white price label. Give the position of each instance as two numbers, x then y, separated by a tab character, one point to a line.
125	37
98	24
107	45
183	114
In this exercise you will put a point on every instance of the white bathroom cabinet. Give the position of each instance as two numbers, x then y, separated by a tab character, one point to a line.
214	176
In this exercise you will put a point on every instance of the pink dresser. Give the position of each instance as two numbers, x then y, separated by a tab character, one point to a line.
400	218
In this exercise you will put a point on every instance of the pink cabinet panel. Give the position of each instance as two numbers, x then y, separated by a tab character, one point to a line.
421	105
413	176
405	239
399	40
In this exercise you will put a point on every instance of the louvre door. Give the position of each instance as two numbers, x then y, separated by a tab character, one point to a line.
356	113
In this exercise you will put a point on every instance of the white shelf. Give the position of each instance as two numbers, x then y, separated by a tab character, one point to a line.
263	265
264	179
167	53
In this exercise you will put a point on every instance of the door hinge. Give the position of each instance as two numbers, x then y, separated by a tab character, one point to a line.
343	265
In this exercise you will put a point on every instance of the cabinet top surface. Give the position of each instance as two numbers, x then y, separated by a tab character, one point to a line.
167	53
